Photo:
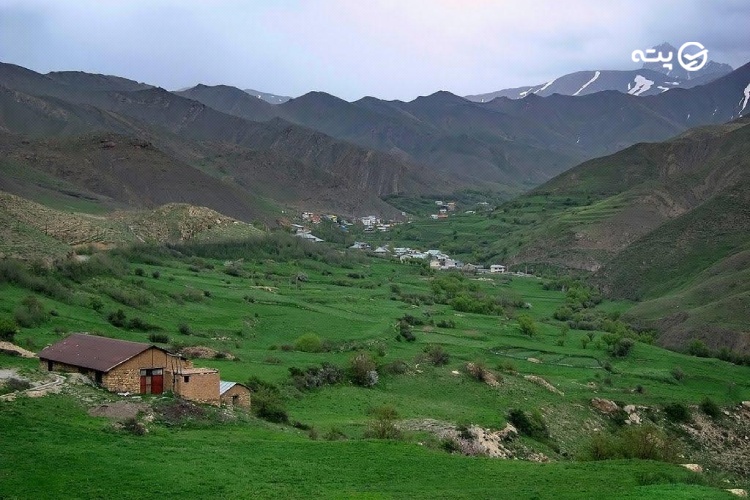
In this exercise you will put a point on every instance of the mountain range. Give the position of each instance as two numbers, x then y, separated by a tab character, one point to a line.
652	79
320	152
664	171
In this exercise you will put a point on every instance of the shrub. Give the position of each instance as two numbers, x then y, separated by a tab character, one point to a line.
14	384
437	355
314	377
677	412
396	367
30	313
678	374
479	372
710	408
207	293
156	275
334	434
117	318
133	426
96	303
383	426
699	348
527	325
268	405
140	325
362	370
563	313
8	329
308	342
622	347
139	271
531	424
644	442
131	298
159	338
450	445
508	366
446	323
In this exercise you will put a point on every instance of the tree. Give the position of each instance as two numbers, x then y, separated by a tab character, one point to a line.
527	325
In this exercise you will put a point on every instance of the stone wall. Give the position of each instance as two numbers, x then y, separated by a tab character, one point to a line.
202	387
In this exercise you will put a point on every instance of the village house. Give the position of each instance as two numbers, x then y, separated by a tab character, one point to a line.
133	367
497	268
360	245
307	235
234	394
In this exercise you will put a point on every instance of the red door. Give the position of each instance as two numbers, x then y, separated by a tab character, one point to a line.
152	381
157	384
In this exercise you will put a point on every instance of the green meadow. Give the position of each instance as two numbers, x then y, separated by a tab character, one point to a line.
252	302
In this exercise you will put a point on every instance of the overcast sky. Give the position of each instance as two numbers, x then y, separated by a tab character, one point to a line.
392	49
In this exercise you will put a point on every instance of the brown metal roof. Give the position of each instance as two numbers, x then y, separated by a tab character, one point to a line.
93	352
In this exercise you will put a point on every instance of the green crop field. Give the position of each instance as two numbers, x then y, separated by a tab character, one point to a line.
251	303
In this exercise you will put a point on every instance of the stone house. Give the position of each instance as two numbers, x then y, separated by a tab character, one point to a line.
234	394
136	368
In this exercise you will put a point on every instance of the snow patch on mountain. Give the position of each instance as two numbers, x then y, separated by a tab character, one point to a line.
546	85
642	85
596	75
747	97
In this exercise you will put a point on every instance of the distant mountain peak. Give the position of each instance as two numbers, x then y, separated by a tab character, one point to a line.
441	96
269	98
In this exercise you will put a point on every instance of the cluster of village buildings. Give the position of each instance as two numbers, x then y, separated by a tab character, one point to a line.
438	260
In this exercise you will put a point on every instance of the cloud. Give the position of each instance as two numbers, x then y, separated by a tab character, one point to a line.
386	48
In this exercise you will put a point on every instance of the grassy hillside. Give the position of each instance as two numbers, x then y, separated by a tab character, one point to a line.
257	309
654	221
31	230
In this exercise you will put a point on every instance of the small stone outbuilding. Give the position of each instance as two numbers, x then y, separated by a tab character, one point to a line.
198	384
234	394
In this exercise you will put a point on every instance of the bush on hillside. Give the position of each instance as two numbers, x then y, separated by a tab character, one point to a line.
309	342
383	425
8	329
622	347
268	405
677	412
437	355
699	348
644	442
362	370
30	313
158	338
710	408
117	318
314	377
530	424
527	325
